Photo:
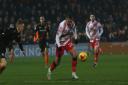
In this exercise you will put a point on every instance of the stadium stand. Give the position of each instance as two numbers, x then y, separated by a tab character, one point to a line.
111	13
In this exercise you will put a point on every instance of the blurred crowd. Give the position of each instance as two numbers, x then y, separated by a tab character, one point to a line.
113	15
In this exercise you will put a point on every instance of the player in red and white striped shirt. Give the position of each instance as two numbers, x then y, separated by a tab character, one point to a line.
65	34
94	31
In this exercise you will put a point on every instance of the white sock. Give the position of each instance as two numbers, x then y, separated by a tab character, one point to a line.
73	73
49	70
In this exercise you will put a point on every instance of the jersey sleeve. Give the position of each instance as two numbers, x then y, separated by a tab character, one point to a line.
100	29
58	34
36	28
75	31
47	31
87	31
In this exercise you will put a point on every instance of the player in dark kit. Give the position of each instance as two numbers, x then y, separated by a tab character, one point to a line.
6	37
42	35
15	38
2	51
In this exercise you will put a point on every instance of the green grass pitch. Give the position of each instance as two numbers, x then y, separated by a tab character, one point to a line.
111	70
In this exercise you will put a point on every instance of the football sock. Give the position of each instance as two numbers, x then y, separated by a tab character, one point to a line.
55	63
46	58
74	63
96	57
53	66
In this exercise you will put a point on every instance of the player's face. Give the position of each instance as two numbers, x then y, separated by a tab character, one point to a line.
20	27
42	19
69	23
92	18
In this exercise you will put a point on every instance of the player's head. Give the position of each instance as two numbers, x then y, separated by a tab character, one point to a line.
42	19
20	25
92	17
69	22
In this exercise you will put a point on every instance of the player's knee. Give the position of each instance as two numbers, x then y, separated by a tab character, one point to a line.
96	48
74	53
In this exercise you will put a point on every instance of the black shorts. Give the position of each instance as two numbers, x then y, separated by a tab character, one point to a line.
43	45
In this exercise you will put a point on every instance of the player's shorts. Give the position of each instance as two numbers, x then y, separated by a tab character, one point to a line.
94	43
43	45
60	50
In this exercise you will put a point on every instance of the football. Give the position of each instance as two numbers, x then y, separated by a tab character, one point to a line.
83	56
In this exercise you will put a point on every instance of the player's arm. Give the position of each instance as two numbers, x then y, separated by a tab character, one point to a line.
75	34
47	27
36	34
47	31
75	31
100	30
58	35
87	31
36	28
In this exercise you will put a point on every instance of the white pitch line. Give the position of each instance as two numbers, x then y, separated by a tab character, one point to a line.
76	81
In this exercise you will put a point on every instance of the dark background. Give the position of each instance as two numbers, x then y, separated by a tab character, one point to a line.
113	15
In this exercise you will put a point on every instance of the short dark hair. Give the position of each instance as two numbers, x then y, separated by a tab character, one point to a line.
19	21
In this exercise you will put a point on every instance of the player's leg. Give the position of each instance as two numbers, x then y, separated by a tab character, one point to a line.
43	52
74	63
46	56
56	62
70	48
92	44
11	55
96	52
